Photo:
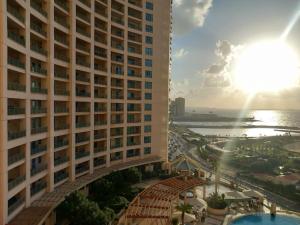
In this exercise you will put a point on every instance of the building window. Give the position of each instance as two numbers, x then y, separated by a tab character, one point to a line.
148	74
147	117
149	40
148	51
148	62
149	17
147	150
147	129
149	5
148	107
147	139
149	28
148	96
148	85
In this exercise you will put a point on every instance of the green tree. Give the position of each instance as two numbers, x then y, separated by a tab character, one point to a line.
184	208
132	175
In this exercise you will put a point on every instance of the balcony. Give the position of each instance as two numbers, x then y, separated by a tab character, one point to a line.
81	138
80	77
62	57
82	124
99	136
61	39
61	160
37	130
61	21
81	169
38	187
82	31
15	62
37	28
117	20
16	13
60	74
15	110
100	53
38	69
82	94
37	48
98	149
37	110
38	169
16	134
60	177
99	162
83	16
16	87
38	149
16	37
81	154
39	8
99	67
82	109
86	2
60	143
15	205
15	158
100	123
99	109
39	90
60	109
62	4
60	126
82	63
134	26
100	95
62	92
15	182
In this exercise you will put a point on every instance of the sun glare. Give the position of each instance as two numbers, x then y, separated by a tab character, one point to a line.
269	66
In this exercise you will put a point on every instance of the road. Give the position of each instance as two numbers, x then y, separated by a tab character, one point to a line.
185	148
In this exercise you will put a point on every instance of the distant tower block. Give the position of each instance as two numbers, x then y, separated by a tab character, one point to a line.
180	106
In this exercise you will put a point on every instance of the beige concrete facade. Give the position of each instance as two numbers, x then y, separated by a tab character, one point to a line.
83	86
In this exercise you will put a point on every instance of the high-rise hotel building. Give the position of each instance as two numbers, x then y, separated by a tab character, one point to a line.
84	88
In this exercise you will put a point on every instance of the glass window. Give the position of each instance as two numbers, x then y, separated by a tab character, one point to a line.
149	51
147	117
149	28
147	139
148	62
148	74
149	40
148	85
148	96
149	5
149	17
147	150
147	129
148	107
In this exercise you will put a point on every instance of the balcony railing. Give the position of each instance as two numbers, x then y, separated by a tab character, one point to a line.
37	28
61	109
99	162
38	49
61	92
39	90
16	13
16	37
15	62
60	143
134	26
100	53
82	63
39	169
80	138
38	8
38	149
37	110
81	154
61	126
82	31
99	136
117	20
62	75
60	177
100	109
60	160
16	87
15	182
82	169
100	123
100	67
12	158
61	39
99	149
100	95
37	130
82	94
82	124
15	205
41	185
16	134
15	110
86	2
83	16
83	109
62	4
38	69
62	57
82	78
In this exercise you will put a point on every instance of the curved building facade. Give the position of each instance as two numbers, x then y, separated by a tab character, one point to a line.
84	91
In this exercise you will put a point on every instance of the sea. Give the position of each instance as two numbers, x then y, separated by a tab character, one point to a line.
290	118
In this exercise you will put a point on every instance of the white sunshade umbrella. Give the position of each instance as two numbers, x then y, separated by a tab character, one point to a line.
236	196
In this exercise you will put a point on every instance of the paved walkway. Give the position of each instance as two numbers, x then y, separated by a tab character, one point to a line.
40	209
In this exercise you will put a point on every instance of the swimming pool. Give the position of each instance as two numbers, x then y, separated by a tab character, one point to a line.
267	219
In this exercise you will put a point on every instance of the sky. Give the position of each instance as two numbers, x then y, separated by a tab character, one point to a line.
206	35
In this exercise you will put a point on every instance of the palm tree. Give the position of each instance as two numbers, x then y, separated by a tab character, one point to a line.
184	208
216	165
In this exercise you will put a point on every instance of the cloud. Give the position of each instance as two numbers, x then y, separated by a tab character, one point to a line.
189	14
179	88
180	53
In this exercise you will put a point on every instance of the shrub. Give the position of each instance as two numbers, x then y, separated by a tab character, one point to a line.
216	201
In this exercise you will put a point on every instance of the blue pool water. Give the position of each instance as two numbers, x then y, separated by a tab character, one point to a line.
266	219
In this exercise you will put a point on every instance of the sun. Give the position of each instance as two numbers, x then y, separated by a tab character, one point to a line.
268	66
